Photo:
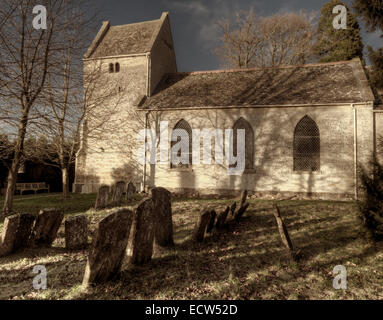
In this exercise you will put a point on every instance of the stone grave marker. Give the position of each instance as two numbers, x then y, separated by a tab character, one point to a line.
162	216
200	228
143	232
46	226
76	232
102	197
118	191
9	234
108	247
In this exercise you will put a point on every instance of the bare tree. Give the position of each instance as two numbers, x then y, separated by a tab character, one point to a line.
73	97
255	41
27	56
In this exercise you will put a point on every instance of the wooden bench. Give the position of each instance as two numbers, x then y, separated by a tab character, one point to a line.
33	186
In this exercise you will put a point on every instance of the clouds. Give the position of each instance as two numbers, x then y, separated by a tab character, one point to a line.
203	15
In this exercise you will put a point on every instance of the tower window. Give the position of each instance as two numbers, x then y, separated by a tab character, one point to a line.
111	67
117	67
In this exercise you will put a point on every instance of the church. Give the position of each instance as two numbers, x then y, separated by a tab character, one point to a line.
307	127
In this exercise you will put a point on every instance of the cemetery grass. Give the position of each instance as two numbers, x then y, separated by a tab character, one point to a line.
244	261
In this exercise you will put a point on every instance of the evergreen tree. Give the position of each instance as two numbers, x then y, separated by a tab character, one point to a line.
371	204
371	11
376	75
337	44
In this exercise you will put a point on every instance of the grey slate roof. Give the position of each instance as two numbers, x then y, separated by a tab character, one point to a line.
127	39
328	83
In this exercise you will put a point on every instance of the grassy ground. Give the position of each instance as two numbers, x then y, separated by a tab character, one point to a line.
246	261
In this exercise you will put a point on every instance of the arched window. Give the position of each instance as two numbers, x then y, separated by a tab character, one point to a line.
117	67
187	145
111	67
306	145
249	142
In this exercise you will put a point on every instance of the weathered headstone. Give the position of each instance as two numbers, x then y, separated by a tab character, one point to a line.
143	232
118	191
108	248
241	211
221	219
24	230
243	198
102	197
232	209
162	216
130	191
46	226
283	231
9	234
200	228
210	225
76	232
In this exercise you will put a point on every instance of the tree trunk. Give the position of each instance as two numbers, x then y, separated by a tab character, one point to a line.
13	171
65	182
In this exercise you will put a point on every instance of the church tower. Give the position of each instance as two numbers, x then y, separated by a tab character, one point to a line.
122	68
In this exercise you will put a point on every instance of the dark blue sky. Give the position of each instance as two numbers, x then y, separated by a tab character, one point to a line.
193	22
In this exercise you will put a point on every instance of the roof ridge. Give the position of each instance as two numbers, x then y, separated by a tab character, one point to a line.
135	23
265	68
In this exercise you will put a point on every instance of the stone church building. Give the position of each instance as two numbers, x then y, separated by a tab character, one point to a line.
307	127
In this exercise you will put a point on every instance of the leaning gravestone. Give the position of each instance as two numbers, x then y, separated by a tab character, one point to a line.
210	225
200	228
102	197
143	232
9	234
118	191
221	219
284	233
24	230
162	216
46	226
76	232
130	191
109	247
243	198
241	211
232	209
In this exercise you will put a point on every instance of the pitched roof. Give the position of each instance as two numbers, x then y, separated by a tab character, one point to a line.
126	39
328	83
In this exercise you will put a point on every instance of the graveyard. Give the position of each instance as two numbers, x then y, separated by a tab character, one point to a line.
239	257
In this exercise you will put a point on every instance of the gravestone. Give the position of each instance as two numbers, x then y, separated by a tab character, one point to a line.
143	232
76	232
200	228
102	197
243	198
24	230
9	234
162	216
221	219
232	209
108	247
130	191
284	233
241	211
46	226
210	225
118	191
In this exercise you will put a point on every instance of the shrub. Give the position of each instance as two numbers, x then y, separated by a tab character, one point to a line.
371	204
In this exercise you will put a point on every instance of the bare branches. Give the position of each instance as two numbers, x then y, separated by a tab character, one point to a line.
254	41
